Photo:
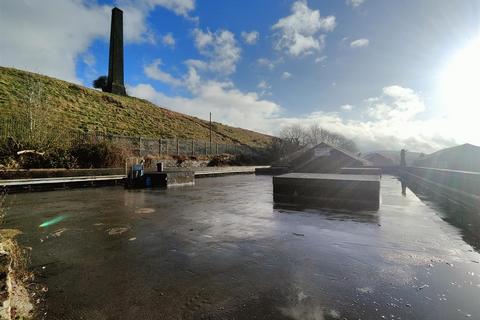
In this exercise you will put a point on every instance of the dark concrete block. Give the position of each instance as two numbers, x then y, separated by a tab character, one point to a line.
168	179
272	171
342	191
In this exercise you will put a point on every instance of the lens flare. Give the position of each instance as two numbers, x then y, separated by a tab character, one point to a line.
52	221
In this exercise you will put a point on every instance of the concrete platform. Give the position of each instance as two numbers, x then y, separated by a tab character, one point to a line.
102	177
38	184
360	170
342	191
168	179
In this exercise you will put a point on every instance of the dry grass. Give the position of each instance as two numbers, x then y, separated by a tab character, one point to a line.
3	210
73	107
15	261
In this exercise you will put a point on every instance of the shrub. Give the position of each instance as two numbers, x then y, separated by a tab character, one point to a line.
101	154
54	158
100	83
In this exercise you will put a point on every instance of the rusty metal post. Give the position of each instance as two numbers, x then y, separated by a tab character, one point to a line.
140	146
210	132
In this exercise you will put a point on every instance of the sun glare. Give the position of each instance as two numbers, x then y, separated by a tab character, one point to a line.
460	82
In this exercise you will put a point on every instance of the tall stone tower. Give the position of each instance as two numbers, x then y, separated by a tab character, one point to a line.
115	82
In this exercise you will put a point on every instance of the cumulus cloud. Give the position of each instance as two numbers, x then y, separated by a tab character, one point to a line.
355	3
390	120
286	75
250	37
396	103
263	85
299	33
360	43
49	36
154	72
136	13
169	40
266	63
34	37
220	49
227	104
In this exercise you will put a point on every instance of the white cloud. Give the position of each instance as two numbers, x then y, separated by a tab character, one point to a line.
263	85
299	33
397	103
389	121
266	63
169	40
286	75
227	104
49	36
320	59
220	48
360	43
89	59
37	38
180	7
153	72
136	13
355	3
250	37
347	107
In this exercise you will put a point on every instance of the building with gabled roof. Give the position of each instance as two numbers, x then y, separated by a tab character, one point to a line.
464	157
379	160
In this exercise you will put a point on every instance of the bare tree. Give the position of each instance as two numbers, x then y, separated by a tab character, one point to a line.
314	135
294	134
34	126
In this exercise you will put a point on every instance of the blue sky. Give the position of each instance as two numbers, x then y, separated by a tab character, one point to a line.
378	71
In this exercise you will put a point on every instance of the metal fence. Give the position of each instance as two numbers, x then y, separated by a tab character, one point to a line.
134	145
142	146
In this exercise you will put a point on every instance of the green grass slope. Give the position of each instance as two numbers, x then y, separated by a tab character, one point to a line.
73	107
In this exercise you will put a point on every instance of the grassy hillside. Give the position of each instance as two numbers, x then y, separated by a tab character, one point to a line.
70	106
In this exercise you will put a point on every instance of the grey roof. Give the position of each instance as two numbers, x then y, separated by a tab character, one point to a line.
464	157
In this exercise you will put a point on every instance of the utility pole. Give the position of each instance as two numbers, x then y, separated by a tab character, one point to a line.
210	132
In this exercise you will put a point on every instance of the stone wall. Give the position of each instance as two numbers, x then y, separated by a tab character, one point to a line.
459	186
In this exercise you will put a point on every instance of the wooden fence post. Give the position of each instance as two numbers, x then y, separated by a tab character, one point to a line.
178	147
206	150
216	149
193	147
160	147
